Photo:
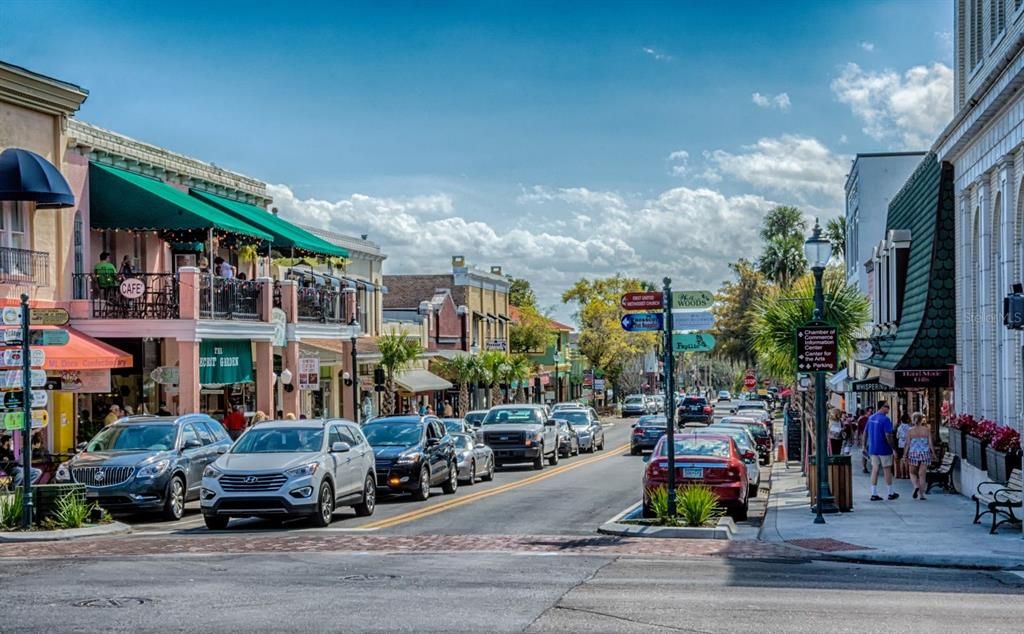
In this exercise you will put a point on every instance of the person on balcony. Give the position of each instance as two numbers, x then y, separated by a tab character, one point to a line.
127	270
224	268
106	275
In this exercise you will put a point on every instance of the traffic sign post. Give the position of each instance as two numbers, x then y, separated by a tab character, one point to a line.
642	322
817	349
36	337
641	301
692	342
692	299
11	316
670	397
692	320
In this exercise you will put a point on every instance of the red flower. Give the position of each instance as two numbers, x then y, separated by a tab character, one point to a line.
963	422
1006	439
985	430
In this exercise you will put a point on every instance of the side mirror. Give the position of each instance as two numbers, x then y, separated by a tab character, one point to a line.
340	447
191	443
647	457
81	446
550	423
480	445
222	450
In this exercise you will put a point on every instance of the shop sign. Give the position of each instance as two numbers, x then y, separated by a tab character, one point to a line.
13	400
870	386
132	288
38	337
12	379
692	342
12	358
165	375
85	381
279	319
692	299
14	421
922	378
495	344
225	361
309	373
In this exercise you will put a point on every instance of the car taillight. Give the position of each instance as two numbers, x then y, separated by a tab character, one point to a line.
657	468
707	409
638	431
734	470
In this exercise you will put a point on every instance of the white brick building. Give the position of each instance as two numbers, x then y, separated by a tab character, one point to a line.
985	143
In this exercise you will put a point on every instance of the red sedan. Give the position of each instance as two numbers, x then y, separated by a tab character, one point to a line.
709	459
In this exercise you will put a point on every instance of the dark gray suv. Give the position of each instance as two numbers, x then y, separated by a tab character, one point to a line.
147	463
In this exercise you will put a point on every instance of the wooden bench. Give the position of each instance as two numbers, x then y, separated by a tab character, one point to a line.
999	499
942	475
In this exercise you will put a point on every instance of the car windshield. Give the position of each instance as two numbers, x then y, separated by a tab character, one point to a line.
651	421
694	401
755	430
280	440
514	415
463	442
392	434
454	425
474	418
634	400
697	446
134	437
741	438
575	417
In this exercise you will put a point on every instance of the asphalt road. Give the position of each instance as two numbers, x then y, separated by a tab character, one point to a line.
508	592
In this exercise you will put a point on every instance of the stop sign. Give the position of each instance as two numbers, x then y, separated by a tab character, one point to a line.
750	382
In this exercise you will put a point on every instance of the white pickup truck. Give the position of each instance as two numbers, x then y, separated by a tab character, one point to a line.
521	433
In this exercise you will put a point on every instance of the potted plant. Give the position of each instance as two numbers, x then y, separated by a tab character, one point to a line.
977	440
959	427
1003	454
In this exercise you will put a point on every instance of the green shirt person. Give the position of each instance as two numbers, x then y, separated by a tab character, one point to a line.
105	272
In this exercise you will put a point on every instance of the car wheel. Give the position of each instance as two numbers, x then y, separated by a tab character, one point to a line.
487	477
577	452
472	473
538	462
174	504
324	506
423	491
451	485
633	451
553	459
365	508
752	490
601	446
647	511
216	522
739	511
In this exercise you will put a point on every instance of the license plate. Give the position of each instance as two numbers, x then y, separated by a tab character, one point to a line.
695	408
693	472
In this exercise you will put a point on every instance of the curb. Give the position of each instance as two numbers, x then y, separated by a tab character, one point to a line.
64	534
725	529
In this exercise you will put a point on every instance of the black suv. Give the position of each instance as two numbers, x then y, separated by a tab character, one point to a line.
147	463
413	453
695	409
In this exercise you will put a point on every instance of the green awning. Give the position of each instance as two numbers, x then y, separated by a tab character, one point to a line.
119	199
286	235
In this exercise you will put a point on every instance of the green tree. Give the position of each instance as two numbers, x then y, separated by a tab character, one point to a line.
779	313
531	333
520	293
835	231
464	370
783	222
494	366
734	311
520	371
397	351
783	260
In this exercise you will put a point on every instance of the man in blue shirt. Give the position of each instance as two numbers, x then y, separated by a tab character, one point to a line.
880	448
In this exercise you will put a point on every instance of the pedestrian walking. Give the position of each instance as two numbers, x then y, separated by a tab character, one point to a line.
862	423
901	445
835	432
920	453
880	443
448	411
234	421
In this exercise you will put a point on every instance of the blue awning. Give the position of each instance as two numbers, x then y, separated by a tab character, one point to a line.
26	176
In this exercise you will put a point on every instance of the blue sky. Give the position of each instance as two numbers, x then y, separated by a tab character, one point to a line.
521	134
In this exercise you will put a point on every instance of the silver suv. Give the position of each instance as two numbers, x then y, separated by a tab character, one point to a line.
291	468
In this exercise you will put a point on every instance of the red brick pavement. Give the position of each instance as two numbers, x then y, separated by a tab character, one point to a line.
288	543
826	544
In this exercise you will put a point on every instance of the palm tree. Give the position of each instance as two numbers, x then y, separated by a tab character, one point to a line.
397	351
494	368
464	370
835	231
783	260
520	369
783	222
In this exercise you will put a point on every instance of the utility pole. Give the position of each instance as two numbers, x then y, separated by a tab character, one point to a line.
670	405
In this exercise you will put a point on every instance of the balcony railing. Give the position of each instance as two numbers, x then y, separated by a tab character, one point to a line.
20	266
321	304
229	298
156	299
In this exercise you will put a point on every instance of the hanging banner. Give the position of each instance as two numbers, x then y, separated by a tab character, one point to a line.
309	373
225	361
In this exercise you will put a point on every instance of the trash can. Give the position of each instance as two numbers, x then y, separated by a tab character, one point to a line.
840	481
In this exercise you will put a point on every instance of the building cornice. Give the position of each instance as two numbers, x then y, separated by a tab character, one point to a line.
37	92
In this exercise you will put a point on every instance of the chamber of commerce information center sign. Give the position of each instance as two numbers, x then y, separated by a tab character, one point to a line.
817	349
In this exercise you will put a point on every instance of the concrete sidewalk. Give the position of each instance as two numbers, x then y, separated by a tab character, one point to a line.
935	532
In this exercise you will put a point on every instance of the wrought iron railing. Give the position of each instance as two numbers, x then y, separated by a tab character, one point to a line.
223	298
323	304
155	296
20	266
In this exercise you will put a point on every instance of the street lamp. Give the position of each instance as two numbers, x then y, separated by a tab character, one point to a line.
354	326
558	384
818	251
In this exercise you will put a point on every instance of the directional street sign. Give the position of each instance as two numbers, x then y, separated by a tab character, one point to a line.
692	299
11	379
692	342
14	421
12	400
817	349
640	301
11	316
38	337
692	320
642	322
12	357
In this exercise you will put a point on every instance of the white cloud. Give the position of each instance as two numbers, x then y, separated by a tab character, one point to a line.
780	101
843	139
658	55
867	46
797	166
680	160
907	110
945	39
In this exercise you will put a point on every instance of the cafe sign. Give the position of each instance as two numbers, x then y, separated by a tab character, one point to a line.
225	361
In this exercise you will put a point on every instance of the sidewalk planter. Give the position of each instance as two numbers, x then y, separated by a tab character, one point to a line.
45	496
1001	463
975	452
956	442
840	481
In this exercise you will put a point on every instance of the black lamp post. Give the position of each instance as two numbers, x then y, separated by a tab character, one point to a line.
558	382
818	251
354	325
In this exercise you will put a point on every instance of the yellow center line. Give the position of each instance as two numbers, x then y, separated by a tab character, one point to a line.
444	506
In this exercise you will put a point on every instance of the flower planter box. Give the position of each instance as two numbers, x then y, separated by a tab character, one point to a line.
45	497
1000	464
975	452
956	442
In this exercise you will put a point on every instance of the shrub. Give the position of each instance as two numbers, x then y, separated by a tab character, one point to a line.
11	508
659	504
696	505
71	511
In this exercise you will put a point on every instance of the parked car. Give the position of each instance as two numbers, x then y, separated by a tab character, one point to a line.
701	458
147	463
521	433
759	430
695	409
659	403
475	459
458	426
589	431
413	454
637	405
724	395
646	433
567	405
475	417
568	440
291	469
748	452
758	410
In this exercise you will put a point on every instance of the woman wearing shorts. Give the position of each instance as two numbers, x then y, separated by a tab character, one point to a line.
919	453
